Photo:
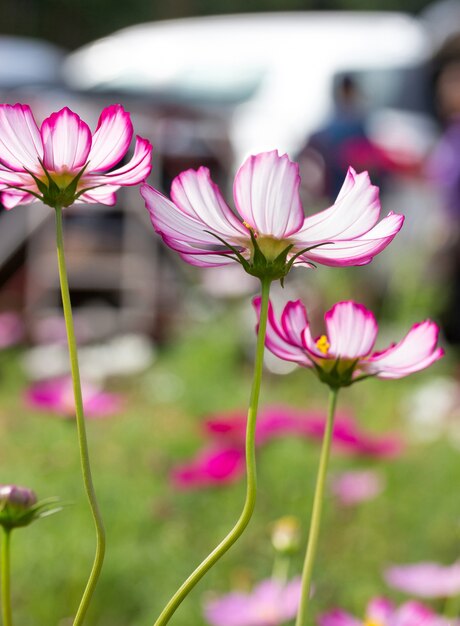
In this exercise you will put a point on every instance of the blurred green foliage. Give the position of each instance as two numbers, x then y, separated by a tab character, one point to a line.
157	534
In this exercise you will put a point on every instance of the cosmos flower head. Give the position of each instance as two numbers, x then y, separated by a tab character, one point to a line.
270	603
355	486
345	354
62	162
269	232
56	396
222	461
425	579
382	612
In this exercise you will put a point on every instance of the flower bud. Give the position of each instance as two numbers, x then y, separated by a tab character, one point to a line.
16	505
286	535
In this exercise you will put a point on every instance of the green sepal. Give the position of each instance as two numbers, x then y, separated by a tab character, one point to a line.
16	517
338	376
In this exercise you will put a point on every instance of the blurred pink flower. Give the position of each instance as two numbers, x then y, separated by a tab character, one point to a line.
63	162
224	461
198	223
56	396
212	466
426	580
345	354
11	329
269	604
276	421
382	612
356	486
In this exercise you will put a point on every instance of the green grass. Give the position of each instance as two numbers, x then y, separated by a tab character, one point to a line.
156	535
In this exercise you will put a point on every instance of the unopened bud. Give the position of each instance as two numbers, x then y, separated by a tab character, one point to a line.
15	505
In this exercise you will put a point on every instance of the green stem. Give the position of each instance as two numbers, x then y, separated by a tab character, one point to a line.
6	587
281	568
316	512
250	501
82	439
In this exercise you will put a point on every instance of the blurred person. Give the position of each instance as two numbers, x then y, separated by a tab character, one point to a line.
341	142
443	170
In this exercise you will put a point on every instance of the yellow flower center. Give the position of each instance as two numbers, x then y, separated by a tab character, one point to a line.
323	346
371	622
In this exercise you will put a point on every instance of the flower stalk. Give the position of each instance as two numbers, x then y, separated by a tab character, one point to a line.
82	438
251	486
316	511
7	615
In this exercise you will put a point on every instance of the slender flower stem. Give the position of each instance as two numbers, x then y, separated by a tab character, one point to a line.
316	512
251	487
82	439
6	587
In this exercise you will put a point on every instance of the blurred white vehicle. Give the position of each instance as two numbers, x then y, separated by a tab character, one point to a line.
272	73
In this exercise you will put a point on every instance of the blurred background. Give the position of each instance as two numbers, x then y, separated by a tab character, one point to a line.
164	345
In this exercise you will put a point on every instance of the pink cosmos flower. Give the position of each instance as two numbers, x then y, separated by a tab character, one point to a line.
223	462
56	396
63	162
425	580
356	486
218	465
201	227
345	353
269	604
382	612
279	421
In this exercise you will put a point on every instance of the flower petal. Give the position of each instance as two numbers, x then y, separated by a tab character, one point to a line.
294	322
413	353
20	141
198	196
207	259
181	231
133	173
351	330
337	617
353	214
426	579
13	198
358	251
66	140
100	195
12	178
111	139
380	610
413	613
278	342
266	192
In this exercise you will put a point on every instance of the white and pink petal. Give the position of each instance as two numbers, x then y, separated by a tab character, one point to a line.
134	172
351	330
266	192
181	231
198	196
353	214
111	139
20	141
66	141
415	352
13	198
279	343
358	251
